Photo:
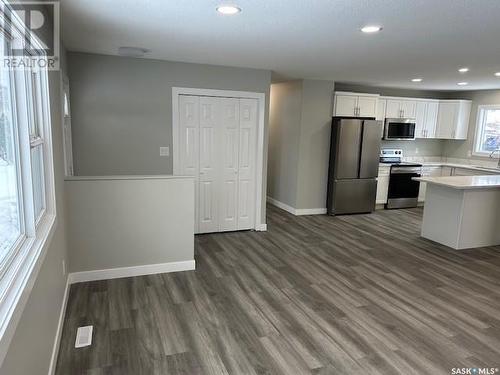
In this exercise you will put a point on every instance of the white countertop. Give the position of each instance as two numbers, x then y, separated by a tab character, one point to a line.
464	182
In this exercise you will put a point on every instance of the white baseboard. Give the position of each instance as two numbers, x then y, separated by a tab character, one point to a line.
261	228
296	211
115	273
281	205
60	324
310	211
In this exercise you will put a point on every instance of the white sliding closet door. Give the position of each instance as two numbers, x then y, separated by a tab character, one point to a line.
218	146
189	144
229	112
247	155
209	165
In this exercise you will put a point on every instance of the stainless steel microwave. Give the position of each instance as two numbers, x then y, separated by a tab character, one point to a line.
399	129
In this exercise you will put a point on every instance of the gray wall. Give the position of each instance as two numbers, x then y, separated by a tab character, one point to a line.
284	133
155	225
122	108
389	91
299	140
462	149
31	347
314	147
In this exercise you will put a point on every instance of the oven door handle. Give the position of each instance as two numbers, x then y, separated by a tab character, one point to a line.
405	170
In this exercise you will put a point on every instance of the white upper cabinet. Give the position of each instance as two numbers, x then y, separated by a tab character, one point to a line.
453	119
431	118
408	108
355	105
400	108
434	118
381	108
426	114
367	106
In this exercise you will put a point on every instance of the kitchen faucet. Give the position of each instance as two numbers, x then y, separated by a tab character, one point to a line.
493	152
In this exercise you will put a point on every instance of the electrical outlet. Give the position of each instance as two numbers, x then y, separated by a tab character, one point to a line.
164	151
64	267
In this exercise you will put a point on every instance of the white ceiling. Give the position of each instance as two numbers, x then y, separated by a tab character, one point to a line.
305	38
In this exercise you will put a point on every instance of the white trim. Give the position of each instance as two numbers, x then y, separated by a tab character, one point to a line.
310	211
281	205
26	268
259	170
116	273
57	339
296	211
261	228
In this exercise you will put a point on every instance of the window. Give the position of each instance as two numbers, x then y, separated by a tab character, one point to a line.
27	200
487	129
10	195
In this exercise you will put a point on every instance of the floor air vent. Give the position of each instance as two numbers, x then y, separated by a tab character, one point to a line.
83	336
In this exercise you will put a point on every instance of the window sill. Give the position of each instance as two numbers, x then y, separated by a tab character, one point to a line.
17	284
485	155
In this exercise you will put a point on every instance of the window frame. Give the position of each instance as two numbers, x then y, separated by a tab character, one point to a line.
21	266
480	122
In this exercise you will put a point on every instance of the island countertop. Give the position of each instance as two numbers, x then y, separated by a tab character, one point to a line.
464	182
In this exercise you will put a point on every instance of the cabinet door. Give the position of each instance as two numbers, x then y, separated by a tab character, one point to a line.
420	117
228	123
367	106
345	105
381	106
446	120
393	109
408	108
462	121
431	119
247	163
382	189
208	177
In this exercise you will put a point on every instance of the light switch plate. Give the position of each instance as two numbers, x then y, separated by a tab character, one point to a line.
164	151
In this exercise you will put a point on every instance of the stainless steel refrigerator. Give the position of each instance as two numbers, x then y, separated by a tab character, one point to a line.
354	159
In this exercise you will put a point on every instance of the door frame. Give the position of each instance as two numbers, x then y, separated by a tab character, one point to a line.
259	223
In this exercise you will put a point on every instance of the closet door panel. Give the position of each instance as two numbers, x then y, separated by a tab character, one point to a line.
208	161
189	146
247	160
229	114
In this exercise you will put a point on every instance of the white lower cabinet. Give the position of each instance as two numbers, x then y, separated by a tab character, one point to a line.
382	184
428	172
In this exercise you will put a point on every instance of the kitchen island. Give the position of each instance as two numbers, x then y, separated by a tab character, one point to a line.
462	211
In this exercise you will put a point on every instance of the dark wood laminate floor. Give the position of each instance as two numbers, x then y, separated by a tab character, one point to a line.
314	295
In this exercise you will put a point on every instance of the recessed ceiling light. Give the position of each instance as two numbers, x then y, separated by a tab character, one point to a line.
462	83
228	9
497	74
463	70
371	29
417	80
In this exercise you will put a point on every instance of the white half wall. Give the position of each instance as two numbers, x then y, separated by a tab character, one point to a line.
129	225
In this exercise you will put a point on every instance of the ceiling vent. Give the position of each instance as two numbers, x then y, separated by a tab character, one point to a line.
83	336
133	51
